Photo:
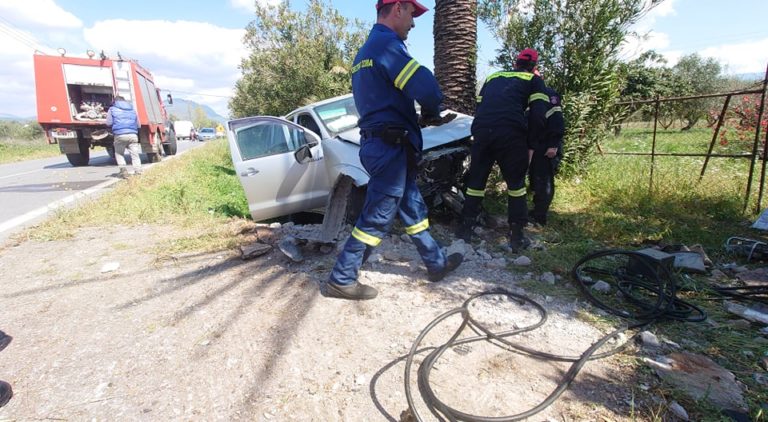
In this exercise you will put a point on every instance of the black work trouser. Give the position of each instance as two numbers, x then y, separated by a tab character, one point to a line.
542	182
508	149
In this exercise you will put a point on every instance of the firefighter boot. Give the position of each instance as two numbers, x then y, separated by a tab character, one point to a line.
354	291
517	239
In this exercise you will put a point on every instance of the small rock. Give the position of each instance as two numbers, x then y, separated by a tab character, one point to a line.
484	255
254	250
275	226
761	379
601	286
360	380
110	266
327	248
289	224
718	275
748	353
678	410
586	279
649	339
764	331
620	338
547	278
764	362
497	264
375	258
522	261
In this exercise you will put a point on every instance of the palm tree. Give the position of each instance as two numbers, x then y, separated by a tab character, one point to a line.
455	33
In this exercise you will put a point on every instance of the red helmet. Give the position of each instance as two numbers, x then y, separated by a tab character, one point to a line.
529	54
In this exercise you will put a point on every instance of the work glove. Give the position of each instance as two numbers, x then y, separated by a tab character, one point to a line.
425	121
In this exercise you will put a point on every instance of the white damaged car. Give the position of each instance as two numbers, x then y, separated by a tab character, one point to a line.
309	160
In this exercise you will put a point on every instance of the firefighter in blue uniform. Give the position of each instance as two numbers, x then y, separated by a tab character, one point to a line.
545	159
385	83
501	134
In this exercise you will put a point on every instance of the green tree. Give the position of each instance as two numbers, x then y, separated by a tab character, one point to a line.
455	32
696	76
579	43
200	119
295	58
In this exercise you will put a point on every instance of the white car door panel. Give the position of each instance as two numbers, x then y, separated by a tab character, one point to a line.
275	183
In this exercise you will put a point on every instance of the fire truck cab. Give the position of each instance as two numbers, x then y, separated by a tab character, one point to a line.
74	94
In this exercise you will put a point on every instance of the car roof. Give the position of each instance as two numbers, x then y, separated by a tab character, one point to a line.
319	103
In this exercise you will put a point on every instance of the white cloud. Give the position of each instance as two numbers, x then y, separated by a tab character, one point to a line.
647	38
40	13
249	4
195	57
746	57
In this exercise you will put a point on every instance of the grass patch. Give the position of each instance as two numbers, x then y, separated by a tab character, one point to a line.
13	150
198	191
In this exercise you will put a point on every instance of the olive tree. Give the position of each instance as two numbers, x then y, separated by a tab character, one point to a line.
295	58
579	43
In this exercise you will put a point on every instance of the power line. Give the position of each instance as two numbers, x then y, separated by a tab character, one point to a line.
172	91
12	31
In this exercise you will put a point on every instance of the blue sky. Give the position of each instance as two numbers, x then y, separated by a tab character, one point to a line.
193	47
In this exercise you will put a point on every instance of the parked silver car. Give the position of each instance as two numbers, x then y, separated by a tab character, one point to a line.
309	160
206	134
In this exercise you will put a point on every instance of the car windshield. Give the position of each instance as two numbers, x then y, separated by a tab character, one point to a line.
338	116
207	130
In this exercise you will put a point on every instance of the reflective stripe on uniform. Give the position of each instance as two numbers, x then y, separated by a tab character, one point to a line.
365	237
479	98
521	75
538	96
552	111
475	192
517	192
418	227
406	74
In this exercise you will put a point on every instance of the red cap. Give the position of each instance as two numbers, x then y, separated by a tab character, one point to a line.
419	9
528	54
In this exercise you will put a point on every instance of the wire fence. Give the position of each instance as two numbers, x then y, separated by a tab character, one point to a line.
757	148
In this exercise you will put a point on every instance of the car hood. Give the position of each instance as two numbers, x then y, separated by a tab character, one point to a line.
434	136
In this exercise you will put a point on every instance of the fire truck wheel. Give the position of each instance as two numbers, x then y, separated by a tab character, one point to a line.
80	160
171	147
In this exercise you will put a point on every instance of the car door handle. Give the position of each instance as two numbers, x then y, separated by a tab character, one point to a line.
250	171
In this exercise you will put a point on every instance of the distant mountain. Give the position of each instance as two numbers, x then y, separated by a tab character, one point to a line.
9	117
184	110
757	76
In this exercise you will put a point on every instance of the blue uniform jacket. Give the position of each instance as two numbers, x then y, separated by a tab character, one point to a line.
503	101
385	82
122	118
555	125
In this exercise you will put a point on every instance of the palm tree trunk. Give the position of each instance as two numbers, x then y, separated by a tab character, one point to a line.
455	32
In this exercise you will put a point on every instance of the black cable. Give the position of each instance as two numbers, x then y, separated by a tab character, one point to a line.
648	290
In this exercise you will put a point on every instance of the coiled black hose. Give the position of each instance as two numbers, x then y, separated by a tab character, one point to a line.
647	289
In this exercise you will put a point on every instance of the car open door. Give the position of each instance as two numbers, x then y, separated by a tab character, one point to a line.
280	165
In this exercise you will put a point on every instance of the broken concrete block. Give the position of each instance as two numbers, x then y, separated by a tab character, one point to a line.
289	245
497	264
701	378
254	250
690	261
755	313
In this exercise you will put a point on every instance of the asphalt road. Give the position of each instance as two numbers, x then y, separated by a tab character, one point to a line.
31	190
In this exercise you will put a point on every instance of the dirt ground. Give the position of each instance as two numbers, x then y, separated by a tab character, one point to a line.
213	337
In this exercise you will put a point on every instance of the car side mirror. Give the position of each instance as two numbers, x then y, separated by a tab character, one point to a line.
312	139
303	155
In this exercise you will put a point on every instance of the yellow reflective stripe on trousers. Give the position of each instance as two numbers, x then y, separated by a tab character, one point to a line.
552	111
406	73
479	98
365	237
475	192
517	192
418	227
538	96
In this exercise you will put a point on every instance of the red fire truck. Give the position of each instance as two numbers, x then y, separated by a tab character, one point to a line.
74	94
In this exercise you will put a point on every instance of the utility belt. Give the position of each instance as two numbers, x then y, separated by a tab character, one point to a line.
390	135
395	136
